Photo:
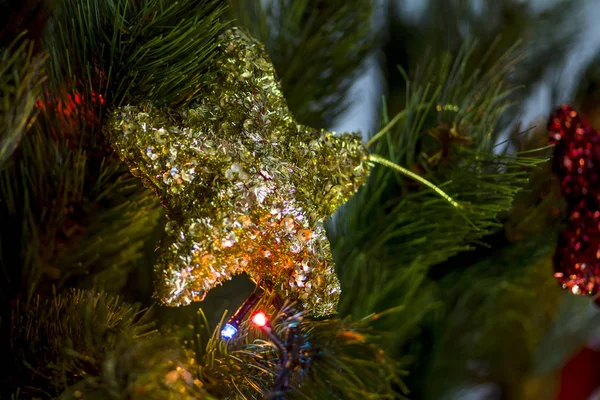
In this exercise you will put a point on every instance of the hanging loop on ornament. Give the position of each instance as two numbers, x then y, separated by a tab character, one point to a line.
382	161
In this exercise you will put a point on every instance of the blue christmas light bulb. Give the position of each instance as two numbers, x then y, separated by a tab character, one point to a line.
228	331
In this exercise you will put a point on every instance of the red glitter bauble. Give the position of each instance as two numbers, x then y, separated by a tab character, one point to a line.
577	164
576	155
577	256
564	124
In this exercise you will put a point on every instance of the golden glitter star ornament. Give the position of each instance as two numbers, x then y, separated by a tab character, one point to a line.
246	187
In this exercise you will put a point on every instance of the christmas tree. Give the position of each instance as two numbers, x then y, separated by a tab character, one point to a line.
178	219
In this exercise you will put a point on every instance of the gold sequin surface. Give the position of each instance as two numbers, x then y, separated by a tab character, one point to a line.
246	187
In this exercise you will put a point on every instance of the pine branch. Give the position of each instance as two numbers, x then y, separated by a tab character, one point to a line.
490	322
84	344
127	51
317	48
342	360
56	342
61	223
394	230
21	76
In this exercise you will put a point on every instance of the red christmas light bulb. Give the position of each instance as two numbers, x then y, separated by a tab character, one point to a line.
260	319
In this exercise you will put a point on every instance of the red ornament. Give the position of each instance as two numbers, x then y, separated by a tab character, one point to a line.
577	256
577	163
580	376
576	155
564	124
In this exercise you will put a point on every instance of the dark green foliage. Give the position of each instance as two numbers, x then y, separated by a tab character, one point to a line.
393	224
497	322
132	50
500	308
350	364
94	346
21	76
447	24
88	233
56	342
72	215
576	321
318	47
